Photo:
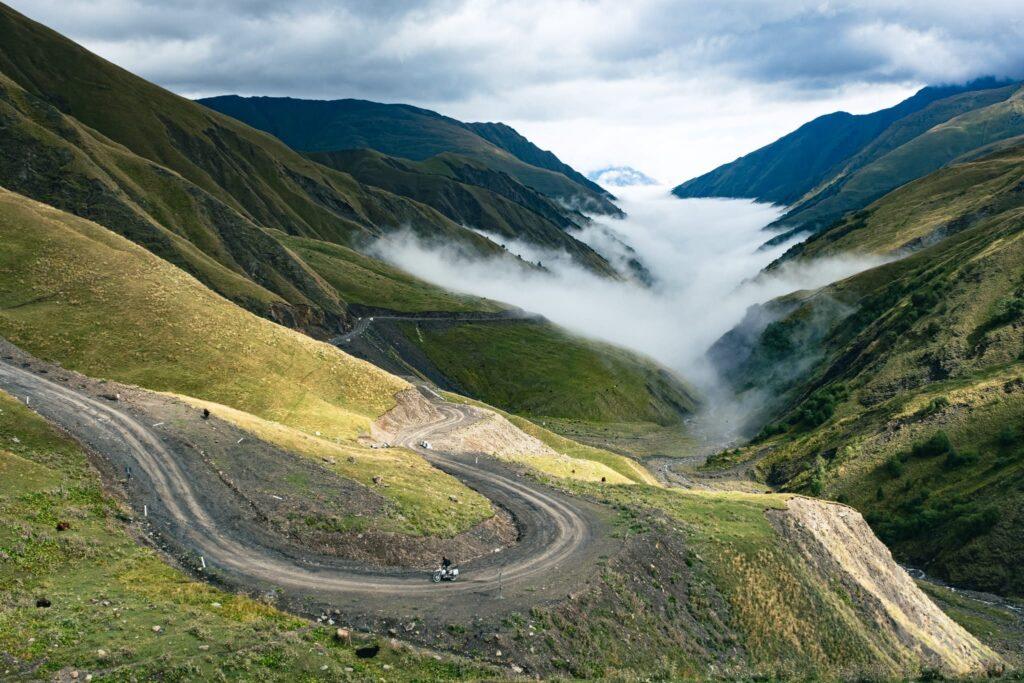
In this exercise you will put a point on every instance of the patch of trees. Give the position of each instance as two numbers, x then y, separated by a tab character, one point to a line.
960	520
816	410
820	406
776	340
937	445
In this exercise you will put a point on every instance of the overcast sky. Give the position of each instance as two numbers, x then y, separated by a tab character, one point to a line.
672	88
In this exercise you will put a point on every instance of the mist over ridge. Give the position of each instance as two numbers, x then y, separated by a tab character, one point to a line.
704	256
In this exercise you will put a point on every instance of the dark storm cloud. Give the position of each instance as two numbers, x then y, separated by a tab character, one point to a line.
451	50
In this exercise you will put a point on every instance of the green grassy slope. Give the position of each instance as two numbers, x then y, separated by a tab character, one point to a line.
74	292
397	130
107	592
195	186
952	135
509	139
493	201
557	375
372	283
523	366
77	169
900	389
784	171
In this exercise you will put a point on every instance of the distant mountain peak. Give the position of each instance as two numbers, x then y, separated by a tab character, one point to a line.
620	176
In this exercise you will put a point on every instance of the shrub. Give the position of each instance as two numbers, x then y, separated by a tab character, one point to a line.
894	466
818	478
934	406
820	406
937	444
955	459
775	339
770	430
1008	436
974	524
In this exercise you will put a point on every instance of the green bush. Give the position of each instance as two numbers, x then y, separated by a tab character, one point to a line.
820	406
893	466
955	459
1008	437
937	444
775	339
934	406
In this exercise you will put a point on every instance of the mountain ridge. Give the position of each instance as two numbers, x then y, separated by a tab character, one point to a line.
410	132
805	167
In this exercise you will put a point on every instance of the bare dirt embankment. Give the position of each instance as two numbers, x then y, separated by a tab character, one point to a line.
475	430
836	543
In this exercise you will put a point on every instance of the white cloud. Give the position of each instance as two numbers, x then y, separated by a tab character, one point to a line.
672	87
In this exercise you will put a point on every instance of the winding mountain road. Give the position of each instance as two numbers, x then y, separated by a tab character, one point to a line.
364	323
560	536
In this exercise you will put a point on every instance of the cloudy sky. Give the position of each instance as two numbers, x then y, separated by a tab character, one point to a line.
671	87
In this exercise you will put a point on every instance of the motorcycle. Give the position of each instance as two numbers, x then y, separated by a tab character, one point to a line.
445	574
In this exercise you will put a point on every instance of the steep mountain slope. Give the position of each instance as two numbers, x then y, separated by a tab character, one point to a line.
405	131
73	292
840	162
233	206
473	195
94	139
942	136
54	158
899	389
511	141
795	164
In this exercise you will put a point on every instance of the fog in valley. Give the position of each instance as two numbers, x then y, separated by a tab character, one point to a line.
705	257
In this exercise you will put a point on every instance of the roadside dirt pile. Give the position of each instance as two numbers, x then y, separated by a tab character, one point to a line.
411	410
838	545
482	431
493	434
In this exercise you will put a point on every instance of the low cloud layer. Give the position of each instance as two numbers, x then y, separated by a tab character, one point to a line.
703	254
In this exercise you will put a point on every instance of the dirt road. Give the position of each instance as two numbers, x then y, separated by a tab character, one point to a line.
363	324
201	520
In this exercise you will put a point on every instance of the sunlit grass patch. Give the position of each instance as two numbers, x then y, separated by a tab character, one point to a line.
422	493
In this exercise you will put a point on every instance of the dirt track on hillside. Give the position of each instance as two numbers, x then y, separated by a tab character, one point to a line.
194	516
